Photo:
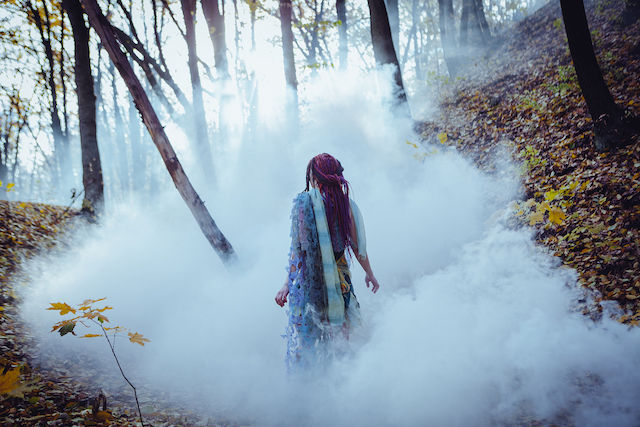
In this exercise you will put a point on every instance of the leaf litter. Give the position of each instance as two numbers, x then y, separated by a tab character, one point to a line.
524	100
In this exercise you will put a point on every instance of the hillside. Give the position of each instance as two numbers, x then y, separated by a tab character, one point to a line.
523	99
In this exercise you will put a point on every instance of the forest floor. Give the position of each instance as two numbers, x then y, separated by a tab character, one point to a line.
523	100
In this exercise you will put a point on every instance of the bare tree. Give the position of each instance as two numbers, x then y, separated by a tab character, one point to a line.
343	50
91	166
383	49
215	22
201	129
208	226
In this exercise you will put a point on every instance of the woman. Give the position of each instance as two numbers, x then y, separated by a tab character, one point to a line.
326	224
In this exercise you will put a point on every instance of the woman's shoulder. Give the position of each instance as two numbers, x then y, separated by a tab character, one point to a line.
302	198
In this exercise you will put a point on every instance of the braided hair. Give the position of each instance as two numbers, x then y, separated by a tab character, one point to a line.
326	171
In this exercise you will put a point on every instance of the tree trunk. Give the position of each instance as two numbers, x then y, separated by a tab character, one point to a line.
447	38
631	11
119	143
91	166
44	29
65	154
464	25
287	43
286	12
609	124
417	49
482	22
343	50
138	152
215	237
215	22
202	134
383	50
394	22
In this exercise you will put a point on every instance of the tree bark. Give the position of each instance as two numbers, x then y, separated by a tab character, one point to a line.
447	38
208	226
44	29
394	22
91	166
383	50
464	24
215	22
631	11
343	49
286	12
482	22
610	125
201	130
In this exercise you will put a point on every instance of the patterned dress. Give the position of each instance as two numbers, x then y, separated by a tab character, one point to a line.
321	298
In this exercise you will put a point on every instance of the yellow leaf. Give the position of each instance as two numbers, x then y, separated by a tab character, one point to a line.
91	335
536	217
23	205
63	307
556	215
105	308
442	137
412	144
10	381
550	195
529	203
542	207
10	185
137	338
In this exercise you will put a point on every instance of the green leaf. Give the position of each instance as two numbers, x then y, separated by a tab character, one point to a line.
65	329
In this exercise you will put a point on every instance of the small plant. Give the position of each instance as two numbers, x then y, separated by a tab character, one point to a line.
422	155
87	313
558	24
529	101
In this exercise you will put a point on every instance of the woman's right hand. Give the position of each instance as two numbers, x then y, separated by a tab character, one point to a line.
281	296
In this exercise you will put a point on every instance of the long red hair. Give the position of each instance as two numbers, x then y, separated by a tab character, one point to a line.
326	171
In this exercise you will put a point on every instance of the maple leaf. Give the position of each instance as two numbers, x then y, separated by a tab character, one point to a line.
137	338
542	207
63	307
442	137
556	215
551	194
66	328
536	217
10	381
412	144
